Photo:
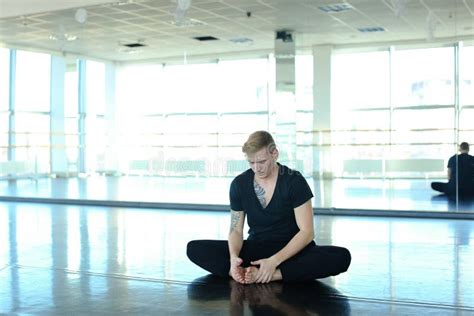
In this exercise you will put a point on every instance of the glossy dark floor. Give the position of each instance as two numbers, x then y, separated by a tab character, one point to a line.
73	260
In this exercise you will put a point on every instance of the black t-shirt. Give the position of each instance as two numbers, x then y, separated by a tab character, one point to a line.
465	172
275	222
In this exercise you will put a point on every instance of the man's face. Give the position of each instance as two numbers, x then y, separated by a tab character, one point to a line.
262	162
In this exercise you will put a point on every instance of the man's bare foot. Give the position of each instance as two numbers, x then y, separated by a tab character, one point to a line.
238	274
236	271
251	274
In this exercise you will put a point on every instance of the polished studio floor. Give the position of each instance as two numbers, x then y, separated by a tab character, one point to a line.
73	260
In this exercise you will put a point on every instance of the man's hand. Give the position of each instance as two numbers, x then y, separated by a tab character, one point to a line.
266	270
236	271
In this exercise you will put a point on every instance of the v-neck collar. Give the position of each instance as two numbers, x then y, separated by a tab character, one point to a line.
274	190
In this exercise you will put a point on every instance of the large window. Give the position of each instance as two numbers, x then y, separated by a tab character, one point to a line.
417	82
466	94
33	77
32	106
186	119
4	102
421	91
360	107
396	106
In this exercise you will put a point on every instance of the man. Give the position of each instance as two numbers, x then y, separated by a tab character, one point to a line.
280	246
460	172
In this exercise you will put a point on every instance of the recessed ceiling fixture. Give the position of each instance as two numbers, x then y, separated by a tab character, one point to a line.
335	8
63	37
371	29
129	50
187	23
241	40
205	38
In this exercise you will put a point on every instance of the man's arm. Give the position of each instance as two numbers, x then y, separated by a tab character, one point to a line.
304	220
236	237
236	234
449	173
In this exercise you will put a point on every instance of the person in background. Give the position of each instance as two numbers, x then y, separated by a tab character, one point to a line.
460	174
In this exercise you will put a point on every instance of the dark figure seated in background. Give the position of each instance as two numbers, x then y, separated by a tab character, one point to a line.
280	246
460	173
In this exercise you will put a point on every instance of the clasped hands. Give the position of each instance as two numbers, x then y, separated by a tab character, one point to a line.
260	271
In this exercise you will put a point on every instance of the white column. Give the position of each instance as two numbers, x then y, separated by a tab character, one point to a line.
58	130
322	111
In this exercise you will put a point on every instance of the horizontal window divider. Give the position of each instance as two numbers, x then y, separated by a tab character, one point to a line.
245	113
424	107
370	109
30	112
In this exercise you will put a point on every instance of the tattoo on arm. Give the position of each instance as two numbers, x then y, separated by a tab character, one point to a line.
260	192
235	218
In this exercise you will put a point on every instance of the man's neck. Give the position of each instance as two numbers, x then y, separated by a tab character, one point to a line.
271	177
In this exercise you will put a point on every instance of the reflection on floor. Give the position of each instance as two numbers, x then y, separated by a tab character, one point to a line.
58	259
368	194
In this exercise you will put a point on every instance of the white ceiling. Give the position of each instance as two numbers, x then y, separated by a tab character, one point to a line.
152	22
11	8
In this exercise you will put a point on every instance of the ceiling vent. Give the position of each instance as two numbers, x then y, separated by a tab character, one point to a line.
205	38
134	45
335	8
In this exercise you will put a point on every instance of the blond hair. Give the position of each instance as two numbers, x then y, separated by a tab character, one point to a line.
258	140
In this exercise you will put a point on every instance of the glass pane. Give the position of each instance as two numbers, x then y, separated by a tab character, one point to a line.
33	77
72	141
360	80
466	126
417	82
466	82
95	87
251	94
4	136
304	82
411	126
71	87
144	96
233	123
96	144
32	139
4	79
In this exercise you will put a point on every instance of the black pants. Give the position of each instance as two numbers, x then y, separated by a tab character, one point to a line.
313	262
449	188
442	187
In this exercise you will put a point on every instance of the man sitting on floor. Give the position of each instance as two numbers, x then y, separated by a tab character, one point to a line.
280	245
460	172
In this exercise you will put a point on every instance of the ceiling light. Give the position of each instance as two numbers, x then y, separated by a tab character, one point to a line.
130	51
335	8
187	23
63	37
241	40
371	29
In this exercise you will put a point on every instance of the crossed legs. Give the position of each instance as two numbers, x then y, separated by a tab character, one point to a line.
313	262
